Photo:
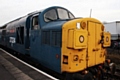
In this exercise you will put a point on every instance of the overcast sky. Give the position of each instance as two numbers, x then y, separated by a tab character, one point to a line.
103	10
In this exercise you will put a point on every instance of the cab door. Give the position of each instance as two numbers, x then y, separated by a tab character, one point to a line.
94	45
34	36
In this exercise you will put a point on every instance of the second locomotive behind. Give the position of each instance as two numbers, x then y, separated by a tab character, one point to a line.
57	40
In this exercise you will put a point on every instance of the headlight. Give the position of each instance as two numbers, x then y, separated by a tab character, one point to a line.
65	59
81	38
83	25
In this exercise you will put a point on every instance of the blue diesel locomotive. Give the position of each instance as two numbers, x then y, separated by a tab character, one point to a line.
57	40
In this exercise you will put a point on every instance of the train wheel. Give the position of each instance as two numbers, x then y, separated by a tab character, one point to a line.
100	74
74	76
78	76
88	76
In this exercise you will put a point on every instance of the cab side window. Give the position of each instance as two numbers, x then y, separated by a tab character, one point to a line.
35	24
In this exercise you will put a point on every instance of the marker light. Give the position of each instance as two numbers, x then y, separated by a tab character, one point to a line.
78	25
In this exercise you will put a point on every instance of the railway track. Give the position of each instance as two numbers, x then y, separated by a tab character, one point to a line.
115	76
114	55
113	51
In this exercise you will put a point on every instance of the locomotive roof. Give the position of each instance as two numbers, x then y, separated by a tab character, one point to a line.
39	11
2	27
32	13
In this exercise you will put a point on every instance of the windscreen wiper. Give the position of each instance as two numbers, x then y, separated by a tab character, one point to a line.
48	18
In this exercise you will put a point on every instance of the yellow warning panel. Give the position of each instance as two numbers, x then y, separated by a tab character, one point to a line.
80	39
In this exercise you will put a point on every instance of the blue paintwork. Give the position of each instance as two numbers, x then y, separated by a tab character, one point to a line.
14	24
53	25
45	54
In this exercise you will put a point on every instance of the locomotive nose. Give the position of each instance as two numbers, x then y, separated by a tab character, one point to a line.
83	42
74	45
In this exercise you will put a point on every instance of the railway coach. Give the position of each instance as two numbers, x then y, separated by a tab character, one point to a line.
59	41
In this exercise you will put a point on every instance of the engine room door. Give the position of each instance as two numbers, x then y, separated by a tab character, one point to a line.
94	45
